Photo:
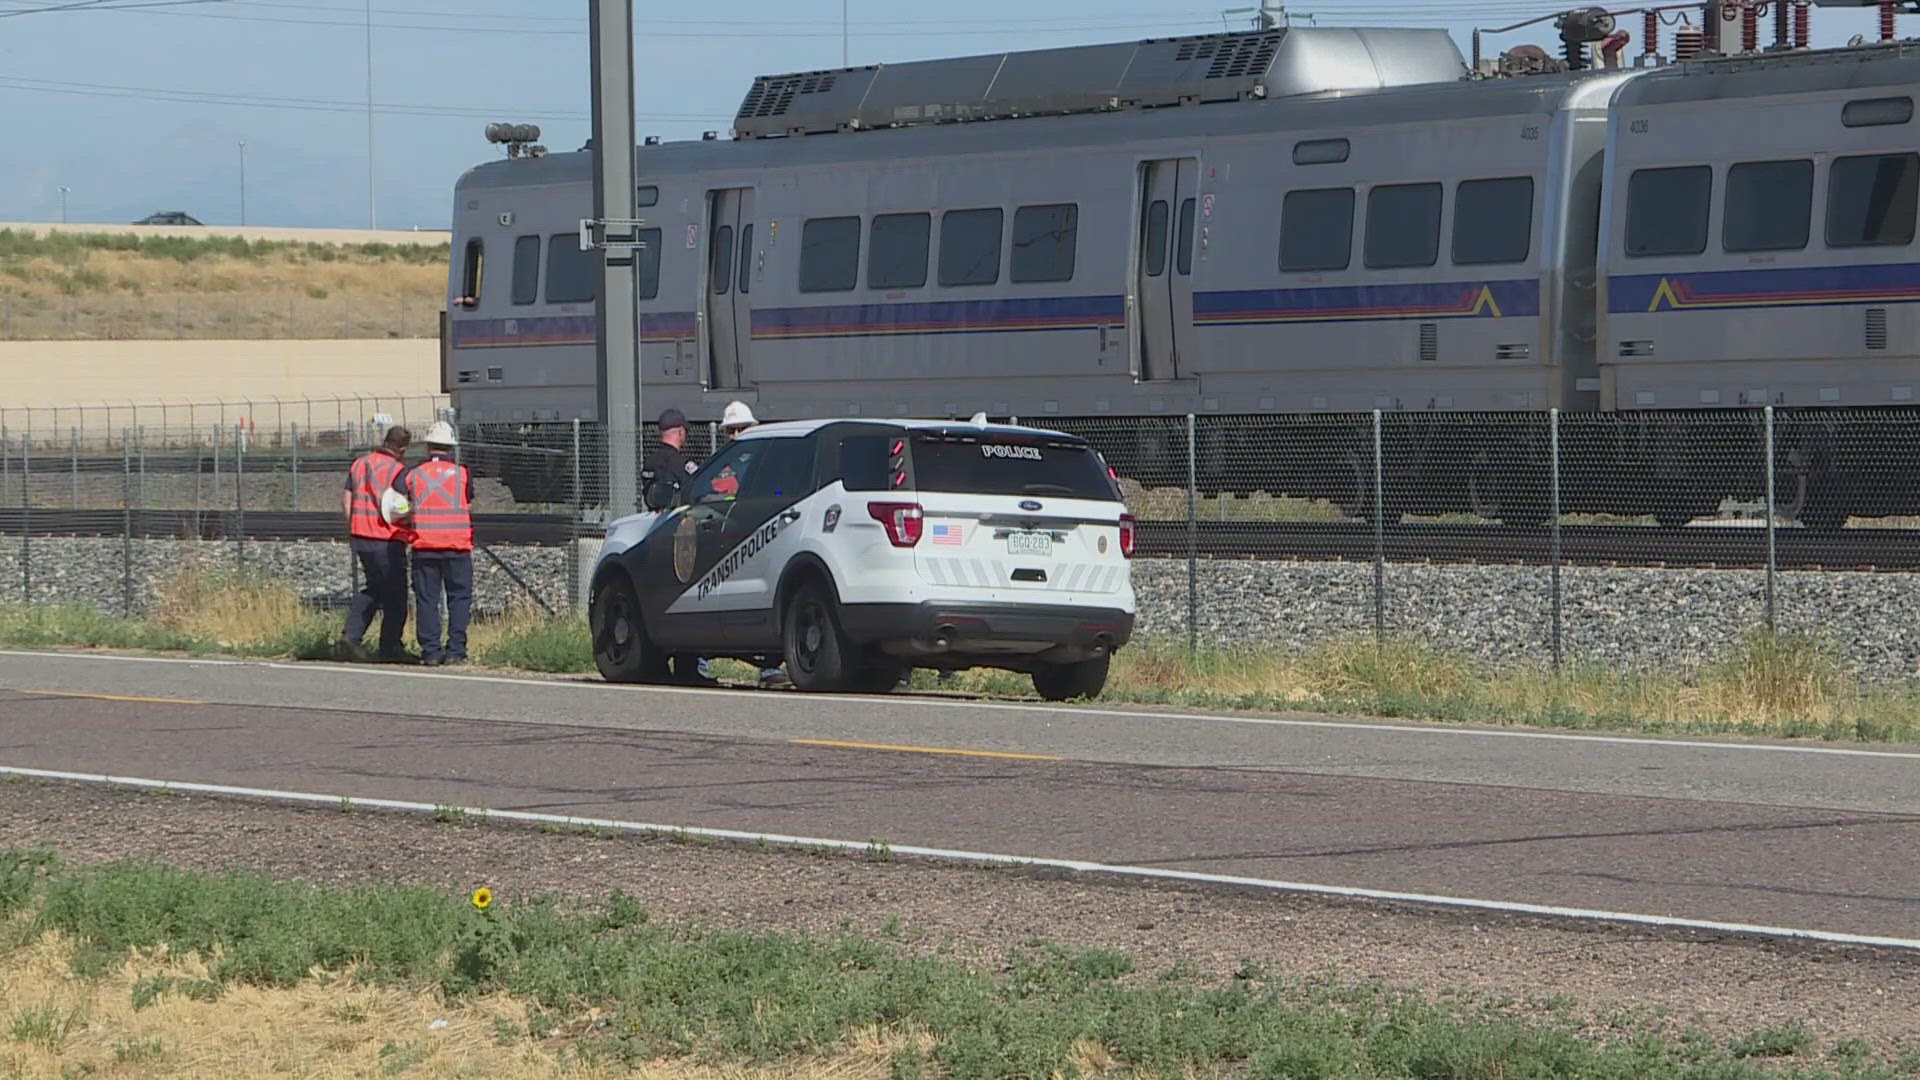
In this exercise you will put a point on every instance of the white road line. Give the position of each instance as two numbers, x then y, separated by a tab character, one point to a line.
359	671
947	854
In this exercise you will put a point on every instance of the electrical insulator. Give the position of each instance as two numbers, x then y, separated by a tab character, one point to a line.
1749	27
1710	27
1886	20
1802	23
1688	41
1650	34
1782	33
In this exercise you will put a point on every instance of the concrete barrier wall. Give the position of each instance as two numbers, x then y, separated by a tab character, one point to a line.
67	373
312	236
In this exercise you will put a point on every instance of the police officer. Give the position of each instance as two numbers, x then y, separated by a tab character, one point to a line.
380	547
665	474
668	467
441	491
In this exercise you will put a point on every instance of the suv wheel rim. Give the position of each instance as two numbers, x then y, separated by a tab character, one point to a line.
811	634
619	631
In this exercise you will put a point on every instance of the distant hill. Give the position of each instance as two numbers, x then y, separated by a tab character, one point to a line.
98	282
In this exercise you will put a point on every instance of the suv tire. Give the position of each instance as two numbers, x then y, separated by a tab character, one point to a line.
1085	678
621	648
819	656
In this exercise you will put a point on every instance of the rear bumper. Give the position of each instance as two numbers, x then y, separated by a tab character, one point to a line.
960	632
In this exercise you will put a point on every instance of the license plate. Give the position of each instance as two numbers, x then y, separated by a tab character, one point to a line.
1029	543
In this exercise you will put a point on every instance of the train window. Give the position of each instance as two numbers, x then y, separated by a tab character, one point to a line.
1768	206
1493	221
1667	210
1403	225
970	246
1043	242
648	195
830	254
1871	199
526	269
1183	252
897	251
1156	252
1874	112
720	261
646	263
573	276
1316	230
746	258
470	273
1320	152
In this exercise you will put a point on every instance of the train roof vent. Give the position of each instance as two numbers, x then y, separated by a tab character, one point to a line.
1096	78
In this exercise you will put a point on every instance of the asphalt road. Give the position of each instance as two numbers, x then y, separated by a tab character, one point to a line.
1802	835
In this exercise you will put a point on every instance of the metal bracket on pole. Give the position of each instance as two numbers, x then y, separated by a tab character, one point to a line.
598	233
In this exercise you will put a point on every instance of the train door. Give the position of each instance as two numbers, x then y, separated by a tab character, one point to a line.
1164	287
729	309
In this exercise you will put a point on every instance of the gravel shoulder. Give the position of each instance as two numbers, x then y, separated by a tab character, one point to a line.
1675	979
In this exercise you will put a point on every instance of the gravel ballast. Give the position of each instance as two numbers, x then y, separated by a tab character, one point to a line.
1621	617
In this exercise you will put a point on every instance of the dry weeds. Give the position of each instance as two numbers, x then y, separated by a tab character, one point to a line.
59	1025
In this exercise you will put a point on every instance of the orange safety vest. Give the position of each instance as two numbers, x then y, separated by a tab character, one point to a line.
373	474
437	488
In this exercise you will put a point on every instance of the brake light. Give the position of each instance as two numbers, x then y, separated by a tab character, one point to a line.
1126	536
903	521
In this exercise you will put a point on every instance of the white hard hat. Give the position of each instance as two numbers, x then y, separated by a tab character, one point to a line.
737	416
441	434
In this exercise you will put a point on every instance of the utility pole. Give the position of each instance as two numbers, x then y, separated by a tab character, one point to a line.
63	203
243	182
614	230
843	34
373	219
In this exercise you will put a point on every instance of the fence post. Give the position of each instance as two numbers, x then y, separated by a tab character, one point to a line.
573	527
295	500
213	490
126	522
141	434
1553	523
1193	540
1379	539
240	495
73	457
26	519
1773	561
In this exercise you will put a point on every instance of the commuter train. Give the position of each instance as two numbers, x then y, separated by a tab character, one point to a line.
1288	221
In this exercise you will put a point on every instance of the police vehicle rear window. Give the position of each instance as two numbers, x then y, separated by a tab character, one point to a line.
1009	465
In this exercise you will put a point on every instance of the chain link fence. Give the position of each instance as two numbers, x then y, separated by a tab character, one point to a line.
199	317
1624	540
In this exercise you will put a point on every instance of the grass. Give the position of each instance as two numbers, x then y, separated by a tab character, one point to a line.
122	286
393	981
1780	686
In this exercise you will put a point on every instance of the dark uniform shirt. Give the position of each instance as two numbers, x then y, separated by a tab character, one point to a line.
665	473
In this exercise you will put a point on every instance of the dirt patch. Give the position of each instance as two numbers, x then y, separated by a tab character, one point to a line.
1612	974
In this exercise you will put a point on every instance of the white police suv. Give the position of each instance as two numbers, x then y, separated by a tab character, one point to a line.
858	549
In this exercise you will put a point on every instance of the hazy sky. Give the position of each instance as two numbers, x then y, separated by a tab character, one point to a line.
142	109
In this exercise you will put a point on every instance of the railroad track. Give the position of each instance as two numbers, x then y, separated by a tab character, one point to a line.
1707	547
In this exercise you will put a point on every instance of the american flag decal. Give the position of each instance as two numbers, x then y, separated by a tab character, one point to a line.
946	534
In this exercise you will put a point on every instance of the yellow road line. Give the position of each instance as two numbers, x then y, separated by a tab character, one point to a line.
112	697
836	744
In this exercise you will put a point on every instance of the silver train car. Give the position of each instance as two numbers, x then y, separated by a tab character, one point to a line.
1288	221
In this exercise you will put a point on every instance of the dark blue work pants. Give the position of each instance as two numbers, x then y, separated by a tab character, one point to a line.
434	571
384	565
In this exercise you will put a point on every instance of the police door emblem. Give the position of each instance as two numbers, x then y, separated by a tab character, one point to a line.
832	519
685	549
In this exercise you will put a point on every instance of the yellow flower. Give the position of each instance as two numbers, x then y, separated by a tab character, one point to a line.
482	898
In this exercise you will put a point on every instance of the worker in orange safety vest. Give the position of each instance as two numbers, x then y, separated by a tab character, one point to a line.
380	546
441	492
